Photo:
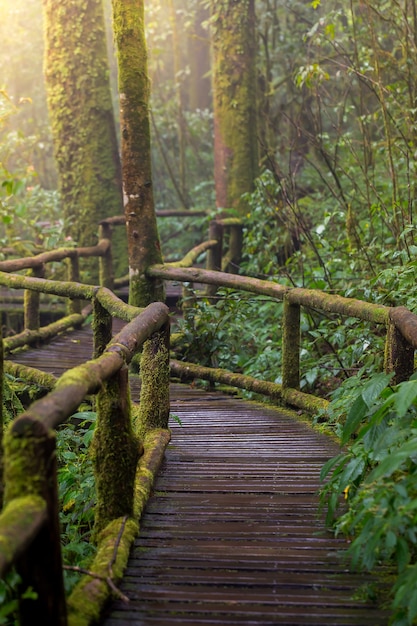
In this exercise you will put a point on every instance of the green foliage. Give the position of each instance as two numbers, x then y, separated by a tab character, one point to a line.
9	612
228	335
12	405
377	475
76	492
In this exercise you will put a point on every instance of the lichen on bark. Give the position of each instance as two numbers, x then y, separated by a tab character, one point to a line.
142	232
234	91
81	114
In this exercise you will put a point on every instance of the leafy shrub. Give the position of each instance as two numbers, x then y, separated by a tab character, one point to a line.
377	476
76	492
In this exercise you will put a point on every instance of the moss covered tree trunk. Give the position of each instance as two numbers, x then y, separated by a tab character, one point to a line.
81	115
234	93
142	232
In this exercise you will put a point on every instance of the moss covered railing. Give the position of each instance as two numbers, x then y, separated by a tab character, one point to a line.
126	455
223	247
400	323
35	267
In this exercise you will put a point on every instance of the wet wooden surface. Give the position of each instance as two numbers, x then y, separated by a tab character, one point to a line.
231	534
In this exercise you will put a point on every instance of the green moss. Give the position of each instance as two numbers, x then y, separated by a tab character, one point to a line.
16	518
234	86
90	596
115	451
154	396
155	443
81	114
30	374
291	345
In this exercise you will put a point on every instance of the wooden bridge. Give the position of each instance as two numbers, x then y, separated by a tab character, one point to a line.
231	533
215	520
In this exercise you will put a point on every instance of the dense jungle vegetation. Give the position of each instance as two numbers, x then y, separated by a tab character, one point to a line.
332	207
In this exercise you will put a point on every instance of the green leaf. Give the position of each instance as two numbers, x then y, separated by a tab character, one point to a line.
405	396
374	387
355	416
330	464
394	461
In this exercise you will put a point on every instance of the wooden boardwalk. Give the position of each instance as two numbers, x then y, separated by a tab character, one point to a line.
231	534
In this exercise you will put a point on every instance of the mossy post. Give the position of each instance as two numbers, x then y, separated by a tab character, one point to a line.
30	470
31	301
74	277
291	345
399	355
234	101
214	255
102	328
142	233
81	113
154	394
106	271
115	452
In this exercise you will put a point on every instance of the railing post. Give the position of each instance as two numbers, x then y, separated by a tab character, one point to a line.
399	355
31	301
102	328
154	372
214	255
74	277
106	271
115	452
235	248
291	345
30	469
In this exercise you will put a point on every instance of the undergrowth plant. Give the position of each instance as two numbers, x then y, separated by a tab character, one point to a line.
376	476
76	493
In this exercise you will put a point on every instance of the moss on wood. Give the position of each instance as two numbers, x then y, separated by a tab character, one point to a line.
377	313
154	395
115	452
91	594
20	521
89	598
155	443
216	375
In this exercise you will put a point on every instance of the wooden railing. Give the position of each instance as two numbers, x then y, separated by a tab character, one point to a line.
400	324
28	523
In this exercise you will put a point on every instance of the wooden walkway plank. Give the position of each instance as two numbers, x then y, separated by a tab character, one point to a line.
231	534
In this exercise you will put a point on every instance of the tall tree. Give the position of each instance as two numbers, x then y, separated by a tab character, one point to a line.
198	48
142	232
81	115
234	92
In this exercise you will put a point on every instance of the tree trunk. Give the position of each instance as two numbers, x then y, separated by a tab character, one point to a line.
81	114
234	91
142	232
199	61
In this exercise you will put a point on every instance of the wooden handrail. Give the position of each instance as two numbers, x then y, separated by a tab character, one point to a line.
29	523
401	324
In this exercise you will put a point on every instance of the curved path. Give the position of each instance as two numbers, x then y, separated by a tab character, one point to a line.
232	534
